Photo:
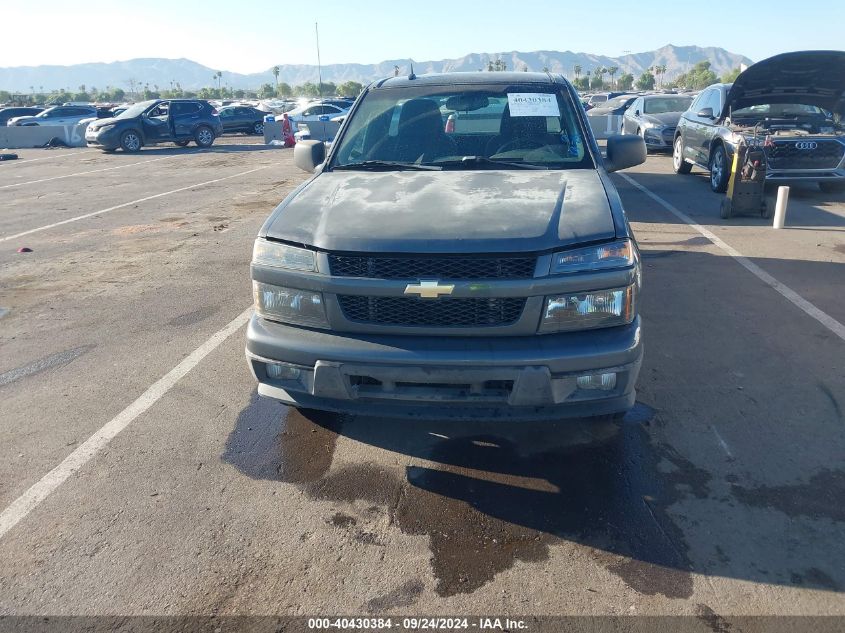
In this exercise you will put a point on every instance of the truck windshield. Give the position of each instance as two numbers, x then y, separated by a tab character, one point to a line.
464	127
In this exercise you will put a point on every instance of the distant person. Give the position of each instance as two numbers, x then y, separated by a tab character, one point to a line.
287	131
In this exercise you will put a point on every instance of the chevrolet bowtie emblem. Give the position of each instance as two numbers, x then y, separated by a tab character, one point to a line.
428	289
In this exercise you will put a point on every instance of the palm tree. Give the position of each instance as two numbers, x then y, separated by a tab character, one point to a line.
577	70
662	73
276	75
600	71
612	72
218	76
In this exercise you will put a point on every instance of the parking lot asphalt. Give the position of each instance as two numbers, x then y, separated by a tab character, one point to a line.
140	474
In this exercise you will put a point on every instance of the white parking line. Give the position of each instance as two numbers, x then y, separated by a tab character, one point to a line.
84	173
819	315
128	204
40	490
32	160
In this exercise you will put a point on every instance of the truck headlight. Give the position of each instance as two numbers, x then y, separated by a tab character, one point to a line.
288	305
589	310
266	253
618	254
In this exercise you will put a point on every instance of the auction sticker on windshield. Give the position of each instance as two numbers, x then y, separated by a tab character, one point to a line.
533	104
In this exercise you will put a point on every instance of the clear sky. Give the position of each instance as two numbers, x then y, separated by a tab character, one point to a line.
251	36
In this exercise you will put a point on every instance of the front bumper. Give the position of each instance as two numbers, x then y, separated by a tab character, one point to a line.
108	139
526	377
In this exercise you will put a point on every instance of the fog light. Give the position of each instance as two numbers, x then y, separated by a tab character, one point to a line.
603	382
283	372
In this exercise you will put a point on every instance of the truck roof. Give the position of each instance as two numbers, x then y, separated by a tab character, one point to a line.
457	78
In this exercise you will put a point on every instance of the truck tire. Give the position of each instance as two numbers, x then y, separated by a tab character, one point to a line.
182	143
720	170
204	136
679	165
130	141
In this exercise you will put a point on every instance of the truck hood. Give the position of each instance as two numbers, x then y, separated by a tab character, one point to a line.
445	212
808	77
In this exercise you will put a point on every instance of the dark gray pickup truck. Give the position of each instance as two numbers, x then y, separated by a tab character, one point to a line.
460	252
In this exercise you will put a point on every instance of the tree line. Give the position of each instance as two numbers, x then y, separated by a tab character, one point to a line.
697	78
141	91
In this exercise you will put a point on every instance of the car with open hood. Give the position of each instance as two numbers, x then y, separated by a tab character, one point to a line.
479	268
790	104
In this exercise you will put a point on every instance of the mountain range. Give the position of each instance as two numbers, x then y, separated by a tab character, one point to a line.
192	75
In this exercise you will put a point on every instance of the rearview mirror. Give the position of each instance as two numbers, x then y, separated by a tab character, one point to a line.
624	151
307	155
705	113
466	103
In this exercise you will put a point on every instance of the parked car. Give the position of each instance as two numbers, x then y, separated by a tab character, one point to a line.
242	119
655	118
315	113
57	115
102	113
179	121
434	273
791	104
12	112
613	107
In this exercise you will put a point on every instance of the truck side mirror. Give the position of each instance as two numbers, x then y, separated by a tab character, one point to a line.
624	151
705	113
308	154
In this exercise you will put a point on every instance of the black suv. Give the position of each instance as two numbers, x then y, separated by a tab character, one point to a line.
790	104
158	121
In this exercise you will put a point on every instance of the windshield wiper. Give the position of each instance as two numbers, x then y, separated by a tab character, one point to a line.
468	161
386	165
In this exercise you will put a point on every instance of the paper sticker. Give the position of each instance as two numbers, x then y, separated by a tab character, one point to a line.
533	104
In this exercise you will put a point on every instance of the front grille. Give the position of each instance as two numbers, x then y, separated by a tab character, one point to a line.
788	154
433	267
668	133
444	312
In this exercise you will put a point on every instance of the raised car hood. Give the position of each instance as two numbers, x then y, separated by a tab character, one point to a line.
809	77
445	212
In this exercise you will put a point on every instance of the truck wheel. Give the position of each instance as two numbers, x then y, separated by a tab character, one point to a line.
679	165
204	136
832	187
130	141
720	171
182	143
725	210
258	128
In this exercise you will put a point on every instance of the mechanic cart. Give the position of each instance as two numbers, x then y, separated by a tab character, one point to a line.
746	188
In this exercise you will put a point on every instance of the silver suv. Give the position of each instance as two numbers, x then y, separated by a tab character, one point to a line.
459	252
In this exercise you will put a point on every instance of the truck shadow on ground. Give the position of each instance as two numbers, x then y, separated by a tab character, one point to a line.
488	495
